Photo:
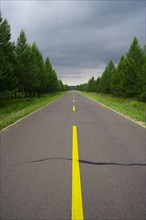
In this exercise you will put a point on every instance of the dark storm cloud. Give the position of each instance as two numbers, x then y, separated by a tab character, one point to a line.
78	36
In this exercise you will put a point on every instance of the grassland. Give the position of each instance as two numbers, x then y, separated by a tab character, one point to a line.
132	108
13	109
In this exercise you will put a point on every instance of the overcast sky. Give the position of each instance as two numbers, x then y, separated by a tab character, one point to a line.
79	37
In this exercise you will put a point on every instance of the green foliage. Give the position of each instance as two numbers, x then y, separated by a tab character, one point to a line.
91	85
8	80
118	78
97	84
48	65
22	68
23	62
134	69
38	69
82	87
142	81
21	44
128	79
5	32
53	83
104	84
60	86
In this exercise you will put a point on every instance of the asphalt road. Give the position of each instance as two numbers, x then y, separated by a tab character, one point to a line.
36	163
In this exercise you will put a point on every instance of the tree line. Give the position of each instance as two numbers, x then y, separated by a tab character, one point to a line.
23	71
127	79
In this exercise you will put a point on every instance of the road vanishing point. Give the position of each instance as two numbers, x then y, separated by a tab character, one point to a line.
73	159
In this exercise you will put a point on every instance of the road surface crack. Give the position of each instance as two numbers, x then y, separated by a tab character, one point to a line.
90	162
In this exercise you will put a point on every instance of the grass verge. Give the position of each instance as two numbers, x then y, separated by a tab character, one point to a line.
13	109
130	107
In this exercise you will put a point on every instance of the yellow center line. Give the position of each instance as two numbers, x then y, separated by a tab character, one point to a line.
77	207
74	108
73	101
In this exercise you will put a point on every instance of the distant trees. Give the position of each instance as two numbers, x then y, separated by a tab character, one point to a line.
23	63
105	80
22	67
118	78
128	79
52	76
91	86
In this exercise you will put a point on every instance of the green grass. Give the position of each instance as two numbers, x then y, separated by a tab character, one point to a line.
130	107
13	109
